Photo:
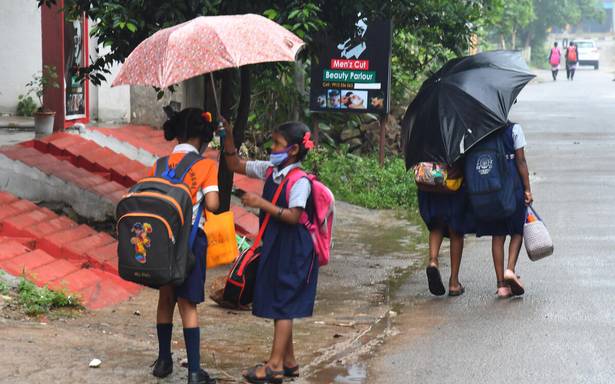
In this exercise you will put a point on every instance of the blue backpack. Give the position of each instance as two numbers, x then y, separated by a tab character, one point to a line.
489	182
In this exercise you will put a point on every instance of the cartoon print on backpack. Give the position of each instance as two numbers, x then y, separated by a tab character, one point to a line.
141	240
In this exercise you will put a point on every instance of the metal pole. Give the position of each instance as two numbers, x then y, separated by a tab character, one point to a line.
383	120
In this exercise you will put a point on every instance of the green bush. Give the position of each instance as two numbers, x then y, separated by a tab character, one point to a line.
26	106
540	54
37	301
361	180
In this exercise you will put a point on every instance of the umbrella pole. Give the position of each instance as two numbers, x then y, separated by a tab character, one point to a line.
213	91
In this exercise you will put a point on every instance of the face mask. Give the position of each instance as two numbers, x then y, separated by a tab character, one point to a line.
278	158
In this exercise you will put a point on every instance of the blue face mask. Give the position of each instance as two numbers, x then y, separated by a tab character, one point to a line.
278	158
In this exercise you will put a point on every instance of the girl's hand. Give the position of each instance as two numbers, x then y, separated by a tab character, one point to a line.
529	199
251	200
225	124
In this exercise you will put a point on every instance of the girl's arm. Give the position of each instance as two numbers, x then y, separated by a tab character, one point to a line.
525	174
287	215
212	201
233	162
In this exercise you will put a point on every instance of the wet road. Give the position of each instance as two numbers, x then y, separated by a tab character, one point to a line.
563	329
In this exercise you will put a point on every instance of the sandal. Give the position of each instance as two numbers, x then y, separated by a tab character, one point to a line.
291	371
435	281
513	281
271	376
507	293
457	292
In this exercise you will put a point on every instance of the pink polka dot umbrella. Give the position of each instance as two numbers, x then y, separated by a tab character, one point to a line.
204	45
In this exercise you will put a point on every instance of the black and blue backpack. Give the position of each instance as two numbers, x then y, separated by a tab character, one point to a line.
489	182
154	227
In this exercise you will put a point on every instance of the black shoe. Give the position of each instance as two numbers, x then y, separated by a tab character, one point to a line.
163	368
200	377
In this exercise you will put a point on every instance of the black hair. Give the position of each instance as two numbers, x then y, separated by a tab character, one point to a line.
555	43
294	133
187	124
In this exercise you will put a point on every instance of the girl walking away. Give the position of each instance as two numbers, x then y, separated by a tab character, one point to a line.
554	59
285	287
193	130
445	215
572	59
508	282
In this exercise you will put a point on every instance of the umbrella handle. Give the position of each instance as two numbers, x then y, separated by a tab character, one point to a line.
213	90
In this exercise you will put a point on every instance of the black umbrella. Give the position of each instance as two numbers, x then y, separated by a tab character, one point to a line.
467	99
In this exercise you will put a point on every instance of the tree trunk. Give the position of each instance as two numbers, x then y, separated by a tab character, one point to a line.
225	177
502	41
513	39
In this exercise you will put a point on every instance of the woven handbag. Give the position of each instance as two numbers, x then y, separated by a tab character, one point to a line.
538	242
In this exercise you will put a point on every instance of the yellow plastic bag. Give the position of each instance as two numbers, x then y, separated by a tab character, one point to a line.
221	239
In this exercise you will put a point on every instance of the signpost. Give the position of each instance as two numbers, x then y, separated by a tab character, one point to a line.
354	74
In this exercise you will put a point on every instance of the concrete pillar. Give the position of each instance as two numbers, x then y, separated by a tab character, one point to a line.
52	26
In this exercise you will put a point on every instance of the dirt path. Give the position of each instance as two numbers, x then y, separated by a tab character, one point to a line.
373	249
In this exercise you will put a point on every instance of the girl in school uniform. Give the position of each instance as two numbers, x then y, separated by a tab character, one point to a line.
193	129
508	282
286	279
445	215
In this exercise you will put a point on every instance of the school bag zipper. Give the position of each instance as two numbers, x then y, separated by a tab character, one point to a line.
159	196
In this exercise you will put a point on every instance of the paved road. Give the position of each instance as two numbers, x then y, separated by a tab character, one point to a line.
563	330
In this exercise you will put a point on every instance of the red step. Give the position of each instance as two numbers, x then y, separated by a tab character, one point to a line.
23	264
75	282
103	294
104	257
54	242
11	248
76	250
51	271
18	225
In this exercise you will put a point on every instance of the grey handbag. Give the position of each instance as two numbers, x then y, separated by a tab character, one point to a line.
538	242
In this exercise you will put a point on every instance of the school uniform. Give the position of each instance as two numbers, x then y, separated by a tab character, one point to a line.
446	210
202	179
514	139
288	269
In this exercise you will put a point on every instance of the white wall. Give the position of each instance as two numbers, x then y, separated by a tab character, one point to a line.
21	57
108	104
20	49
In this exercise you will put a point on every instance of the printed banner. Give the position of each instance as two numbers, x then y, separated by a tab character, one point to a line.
354	74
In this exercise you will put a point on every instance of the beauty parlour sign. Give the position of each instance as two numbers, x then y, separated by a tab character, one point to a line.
354	73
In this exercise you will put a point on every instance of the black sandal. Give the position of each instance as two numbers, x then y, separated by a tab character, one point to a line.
435	281
271	376
291	372
457	292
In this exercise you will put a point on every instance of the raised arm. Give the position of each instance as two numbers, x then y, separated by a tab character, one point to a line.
233	161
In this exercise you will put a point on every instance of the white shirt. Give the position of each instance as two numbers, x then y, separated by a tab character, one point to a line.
518	137
299	193
187	148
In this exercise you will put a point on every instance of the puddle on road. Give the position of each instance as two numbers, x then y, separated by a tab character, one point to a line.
357	373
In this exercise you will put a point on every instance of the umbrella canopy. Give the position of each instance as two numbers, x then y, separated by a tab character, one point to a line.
466	100
207	44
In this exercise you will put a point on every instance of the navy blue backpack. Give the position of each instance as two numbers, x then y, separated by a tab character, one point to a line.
489	182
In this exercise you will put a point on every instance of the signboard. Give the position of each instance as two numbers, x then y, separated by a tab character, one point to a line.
354	74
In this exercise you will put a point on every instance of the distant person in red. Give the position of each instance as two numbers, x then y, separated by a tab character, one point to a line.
555	57
572	60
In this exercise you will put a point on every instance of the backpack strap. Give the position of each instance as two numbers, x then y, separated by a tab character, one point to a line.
176	175
195	225
161	165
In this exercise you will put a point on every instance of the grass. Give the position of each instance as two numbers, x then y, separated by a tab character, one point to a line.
38	301
361	180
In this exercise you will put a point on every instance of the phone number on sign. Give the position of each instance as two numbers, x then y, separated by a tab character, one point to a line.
327	84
